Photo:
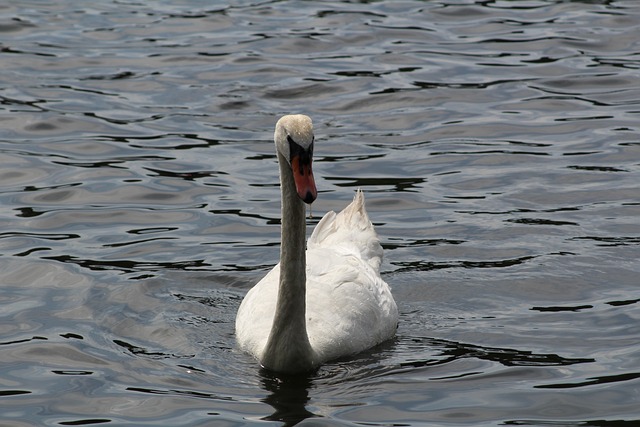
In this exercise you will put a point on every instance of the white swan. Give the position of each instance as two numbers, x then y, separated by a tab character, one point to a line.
328	301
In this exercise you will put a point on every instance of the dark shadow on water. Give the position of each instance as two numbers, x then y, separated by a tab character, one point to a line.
289	395
451	350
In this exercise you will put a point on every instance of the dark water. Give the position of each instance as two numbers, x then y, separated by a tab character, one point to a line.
497	143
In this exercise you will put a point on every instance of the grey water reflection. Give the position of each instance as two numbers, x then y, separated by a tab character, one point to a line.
288	395
290	399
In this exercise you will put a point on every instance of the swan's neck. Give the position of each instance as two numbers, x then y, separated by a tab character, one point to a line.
288	347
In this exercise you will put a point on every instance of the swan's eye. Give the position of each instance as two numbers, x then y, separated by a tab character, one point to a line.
304	156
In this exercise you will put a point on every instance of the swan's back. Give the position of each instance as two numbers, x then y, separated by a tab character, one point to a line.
349	307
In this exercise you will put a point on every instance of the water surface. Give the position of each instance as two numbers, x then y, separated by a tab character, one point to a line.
497	144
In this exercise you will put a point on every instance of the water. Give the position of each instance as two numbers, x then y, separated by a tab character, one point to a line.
497	143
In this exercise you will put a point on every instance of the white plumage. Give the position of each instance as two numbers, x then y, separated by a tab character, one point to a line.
349	308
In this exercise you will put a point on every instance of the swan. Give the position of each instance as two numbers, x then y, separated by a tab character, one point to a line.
329	300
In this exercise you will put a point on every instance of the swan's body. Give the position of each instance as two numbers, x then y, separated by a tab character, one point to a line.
328	301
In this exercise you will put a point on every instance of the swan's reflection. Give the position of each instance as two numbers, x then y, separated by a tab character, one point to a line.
289	395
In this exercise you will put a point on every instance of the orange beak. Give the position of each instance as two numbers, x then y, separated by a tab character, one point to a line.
303	177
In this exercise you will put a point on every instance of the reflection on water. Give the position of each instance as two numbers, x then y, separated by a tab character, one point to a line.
497	143
288	395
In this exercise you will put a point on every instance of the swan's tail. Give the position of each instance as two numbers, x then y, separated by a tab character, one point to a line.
349	229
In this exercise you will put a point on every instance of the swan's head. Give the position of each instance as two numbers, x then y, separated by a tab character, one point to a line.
294	141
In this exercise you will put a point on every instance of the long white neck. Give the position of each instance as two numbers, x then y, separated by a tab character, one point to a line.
288	348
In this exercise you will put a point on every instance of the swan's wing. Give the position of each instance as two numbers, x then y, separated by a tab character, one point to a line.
256	312
349	307
350	228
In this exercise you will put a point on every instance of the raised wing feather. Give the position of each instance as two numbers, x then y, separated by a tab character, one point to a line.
349	231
